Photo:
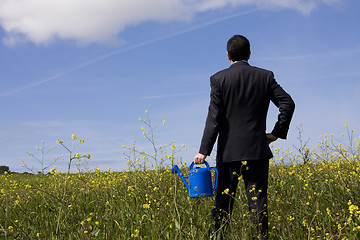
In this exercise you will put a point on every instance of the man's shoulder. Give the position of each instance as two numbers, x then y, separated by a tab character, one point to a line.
262	70
242	67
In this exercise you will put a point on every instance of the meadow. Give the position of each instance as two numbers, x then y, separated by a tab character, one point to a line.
313	194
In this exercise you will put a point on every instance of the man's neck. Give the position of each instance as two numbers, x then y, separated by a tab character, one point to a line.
232	62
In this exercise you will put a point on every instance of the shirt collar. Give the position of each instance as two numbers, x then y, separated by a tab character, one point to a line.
245	61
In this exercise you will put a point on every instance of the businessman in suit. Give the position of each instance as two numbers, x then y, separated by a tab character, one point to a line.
239	102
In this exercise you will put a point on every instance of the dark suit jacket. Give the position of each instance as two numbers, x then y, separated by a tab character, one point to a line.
239	102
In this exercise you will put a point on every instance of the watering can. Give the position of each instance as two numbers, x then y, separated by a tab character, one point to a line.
200	183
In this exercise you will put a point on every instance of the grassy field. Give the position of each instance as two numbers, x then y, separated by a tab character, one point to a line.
313	194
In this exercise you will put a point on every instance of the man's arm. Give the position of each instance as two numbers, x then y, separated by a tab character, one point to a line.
286	109
213	122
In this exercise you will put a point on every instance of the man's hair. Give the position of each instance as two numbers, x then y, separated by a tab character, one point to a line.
238	48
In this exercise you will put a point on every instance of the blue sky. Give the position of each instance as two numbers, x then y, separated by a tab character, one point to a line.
92	68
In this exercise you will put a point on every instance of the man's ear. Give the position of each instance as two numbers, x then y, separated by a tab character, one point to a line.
227	53
249	55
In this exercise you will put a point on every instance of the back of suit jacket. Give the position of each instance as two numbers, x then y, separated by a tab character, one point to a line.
239	102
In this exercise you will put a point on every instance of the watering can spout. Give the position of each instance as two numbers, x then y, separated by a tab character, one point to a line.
176	169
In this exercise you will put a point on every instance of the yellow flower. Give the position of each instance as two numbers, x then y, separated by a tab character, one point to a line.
58	141
146	206
73	136
81	141
135	234
226	191
97	223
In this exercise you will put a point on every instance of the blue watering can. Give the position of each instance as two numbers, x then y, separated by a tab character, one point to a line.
199	180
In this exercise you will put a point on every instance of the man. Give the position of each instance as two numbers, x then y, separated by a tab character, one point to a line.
239	102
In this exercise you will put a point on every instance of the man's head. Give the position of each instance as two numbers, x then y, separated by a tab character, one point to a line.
238	48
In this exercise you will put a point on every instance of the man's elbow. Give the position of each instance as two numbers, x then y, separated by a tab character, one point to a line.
291	104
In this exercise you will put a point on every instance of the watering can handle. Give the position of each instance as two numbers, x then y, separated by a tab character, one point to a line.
205	162
216	177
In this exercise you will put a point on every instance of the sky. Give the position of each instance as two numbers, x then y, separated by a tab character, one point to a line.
91	68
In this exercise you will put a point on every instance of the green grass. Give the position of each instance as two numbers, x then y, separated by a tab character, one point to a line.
313	194
313	200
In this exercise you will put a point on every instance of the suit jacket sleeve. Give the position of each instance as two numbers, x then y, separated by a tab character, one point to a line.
286	109
213	120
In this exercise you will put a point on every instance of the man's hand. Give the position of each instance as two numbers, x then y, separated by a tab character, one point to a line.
270	138
199	158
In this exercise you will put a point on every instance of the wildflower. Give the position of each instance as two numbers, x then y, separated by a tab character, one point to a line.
135	234
291	218
146	206
73	136
226	191
97	223
353	208
58	141
81	141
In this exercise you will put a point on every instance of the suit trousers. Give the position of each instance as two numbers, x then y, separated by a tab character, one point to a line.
255	174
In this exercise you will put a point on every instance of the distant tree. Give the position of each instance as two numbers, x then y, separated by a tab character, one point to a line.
4	169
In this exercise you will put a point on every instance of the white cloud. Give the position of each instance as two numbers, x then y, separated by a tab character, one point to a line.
41	21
